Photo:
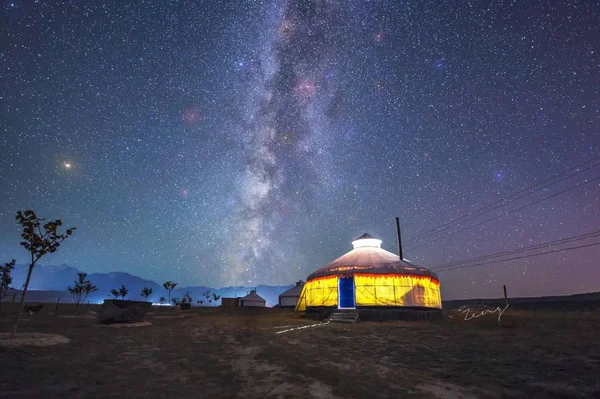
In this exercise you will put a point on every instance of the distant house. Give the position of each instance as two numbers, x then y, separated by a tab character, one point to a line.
252	299
289	298
229	302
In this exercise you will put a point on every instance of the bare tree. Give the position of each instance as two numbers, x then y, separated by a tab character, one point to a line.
169	286
6	278
187	296
82	289
146	292
39	240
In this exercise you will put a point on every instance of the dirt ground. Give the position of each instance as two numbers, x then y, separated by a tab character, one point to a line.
260	353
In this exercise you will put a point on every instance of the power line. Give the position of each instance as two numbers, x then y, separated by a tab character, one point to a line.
427	233
507	213
511	195
523	249
520	257
506	203
578	237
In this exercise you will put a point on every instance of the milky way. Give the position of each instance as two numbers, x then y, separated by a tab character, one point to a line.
296	87
250	142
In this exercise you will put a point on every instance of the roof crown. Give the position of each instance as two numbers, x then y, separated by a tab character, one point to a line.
366	240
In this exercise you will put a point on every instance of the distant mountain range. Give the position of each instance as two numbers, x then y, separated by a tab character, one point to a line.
57	278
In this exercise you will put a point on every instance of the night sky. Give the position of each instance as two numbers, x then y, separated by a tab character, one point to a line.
249	142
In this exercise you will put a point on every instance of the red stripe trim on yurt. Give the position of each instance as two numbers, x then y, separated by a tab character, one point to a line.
374	275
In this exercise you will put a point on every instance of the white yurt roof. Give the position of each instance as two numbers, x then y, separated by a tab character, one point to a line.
253	296
294	291
368	257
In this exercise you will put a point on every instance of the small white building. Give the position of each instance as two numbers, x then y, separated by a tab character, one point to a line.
289	298
252	299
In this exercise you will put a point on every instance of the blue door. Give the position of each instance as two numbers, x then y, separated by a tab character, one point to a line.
346	292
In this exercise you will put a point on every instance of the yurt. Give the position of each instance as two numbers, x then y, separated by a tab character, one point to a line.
252	299
289	298
371	281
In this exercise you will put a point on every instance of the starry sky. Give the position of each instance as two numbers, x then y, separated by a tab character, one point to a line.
249	142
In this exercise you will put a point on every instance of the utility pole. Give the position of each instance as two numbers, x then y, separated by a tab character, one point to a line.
399	239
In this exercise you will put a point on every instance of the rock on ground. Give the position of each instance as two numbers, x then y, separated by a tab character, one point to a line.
113	314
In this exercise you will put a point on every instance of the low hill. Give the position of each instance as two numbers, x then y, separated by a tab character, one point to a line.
50	282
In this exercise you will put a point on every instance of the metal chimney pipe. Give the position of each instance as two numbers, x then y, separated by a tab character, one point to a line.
399	239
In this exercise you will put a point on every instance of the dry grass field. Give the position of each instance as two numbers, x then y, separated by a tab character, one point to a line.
237	353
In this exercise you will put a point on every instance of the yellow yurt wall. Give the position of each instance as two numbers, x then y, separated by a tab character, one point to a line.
374	290
321	291
301	304
396	290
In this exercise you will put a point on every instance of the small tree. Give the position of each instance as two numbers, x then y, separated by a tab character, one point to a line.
162	300
146	292
115	293
6	278
175	301
169	286
215	297
39	240
123	291
187	296
82	289
207	296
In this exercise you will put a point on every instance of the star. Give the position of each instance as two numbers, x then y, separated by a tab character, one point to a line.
499	176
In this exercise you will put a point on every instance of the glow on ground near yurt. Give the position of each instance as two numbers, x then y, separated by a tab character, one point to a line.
370	277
